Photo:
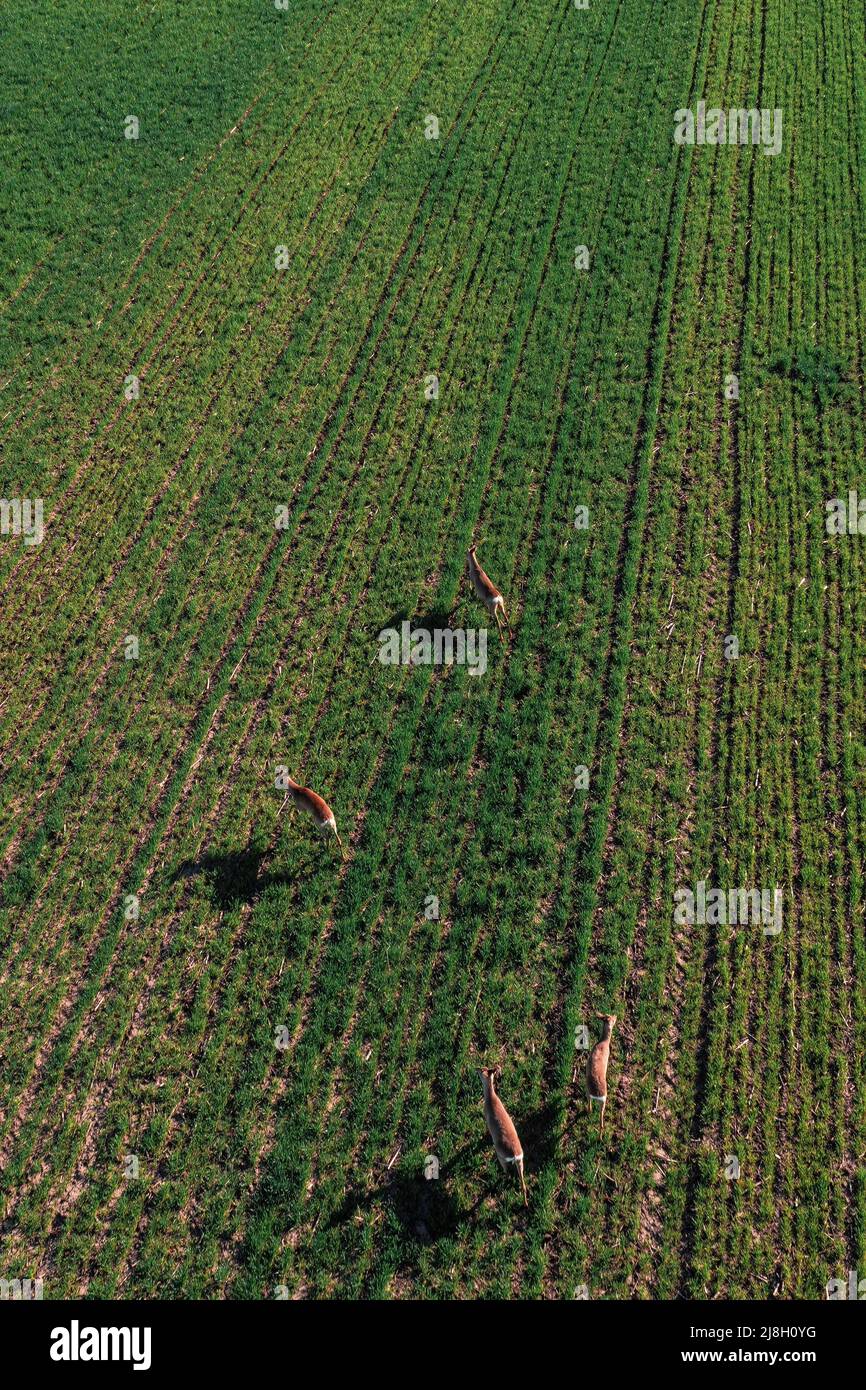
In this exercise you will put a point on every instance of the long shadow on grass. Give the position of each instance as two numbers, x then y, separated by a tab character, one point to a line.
234	876
432	619
427	1208
539	1137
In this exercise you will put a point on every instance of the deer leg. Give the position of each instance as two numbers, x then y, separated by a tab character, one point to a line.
498	625
603	1104
519	1166
340	843
507	623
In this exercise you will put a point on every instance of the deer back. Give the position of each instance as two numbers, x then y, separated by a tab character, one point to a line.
311	801
596	1068
501	1127
483	586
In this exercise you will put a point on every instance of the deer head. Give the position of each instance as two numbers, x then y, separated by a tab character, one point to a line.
489	1076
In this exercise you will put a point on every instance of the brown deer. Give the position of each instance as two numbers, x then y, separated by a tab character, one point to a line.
501	1126
596	1068
487	591
310	801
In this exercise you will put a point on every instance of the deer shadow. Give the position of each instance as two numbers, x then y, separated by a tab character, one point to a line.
430	619
425	1207
233	877
428	1211
538	1135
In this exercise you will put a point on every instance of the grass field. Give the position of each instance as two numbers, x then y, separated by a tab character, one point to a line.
228	1056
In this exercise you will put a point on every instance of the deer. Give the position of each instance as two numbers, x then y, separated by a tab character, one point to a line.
596	1068
307	800
487	591
501	1126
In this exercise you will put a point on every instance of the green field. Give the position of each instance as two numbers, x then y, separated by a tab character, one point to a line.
228	1056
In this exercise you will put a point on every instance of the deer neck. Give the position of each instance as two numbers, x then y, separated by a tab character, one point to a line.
296	794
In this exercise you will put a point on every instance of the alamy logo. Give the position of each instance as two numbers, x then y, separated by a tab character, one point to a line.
17	1290
846	519
19	516
853	1288
736	907
738	126
443	647
77	1343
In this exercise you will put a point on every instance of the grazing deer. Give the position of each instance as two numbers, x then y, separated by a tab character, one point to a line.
501	1127
487	591
596	1068
320	810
